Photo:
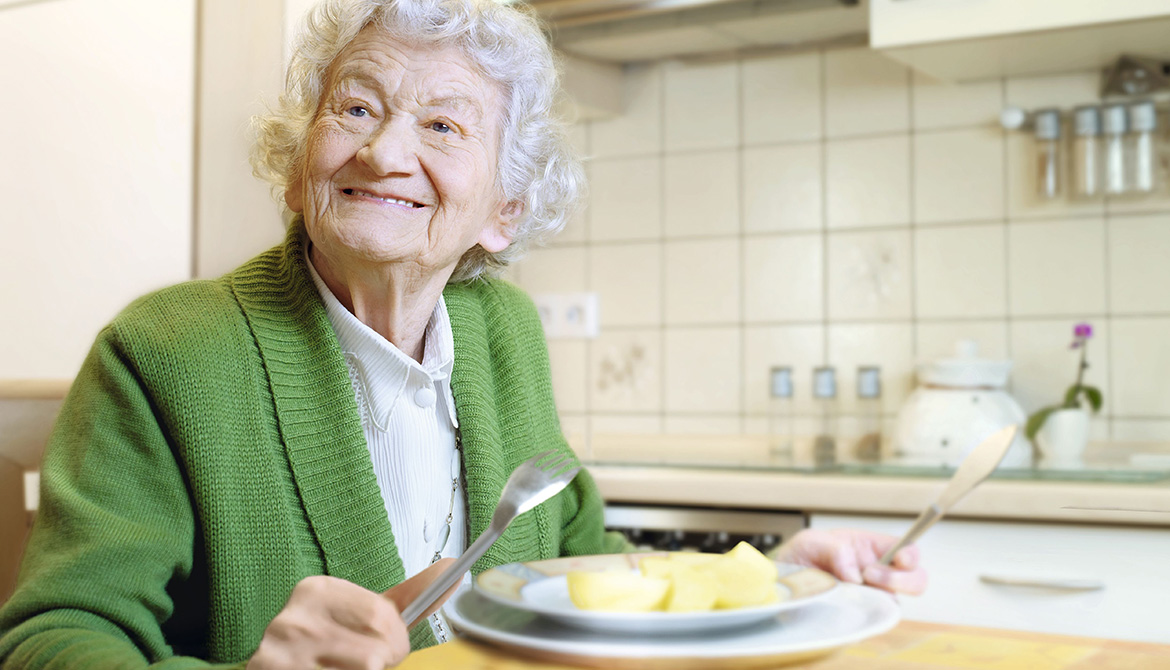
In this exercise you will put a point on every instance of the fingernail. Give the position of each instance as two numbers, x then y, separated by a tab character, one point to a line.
852	575
874	576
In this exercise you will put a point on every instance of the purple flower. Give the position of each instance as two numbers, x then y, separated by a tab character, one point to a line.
1081	333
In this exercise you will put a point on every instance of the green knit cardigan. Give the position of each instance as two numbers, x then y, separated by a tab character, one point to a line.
210	455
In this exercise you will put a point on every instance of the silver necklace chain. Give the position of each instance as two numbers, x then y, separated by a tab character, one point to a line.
440	627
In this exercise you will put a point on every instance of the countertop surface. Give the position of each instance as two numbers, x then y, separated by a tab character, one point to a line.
922	646
1133	503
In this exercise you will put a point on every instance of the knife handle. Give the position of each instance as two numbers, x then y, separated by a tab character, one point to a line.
924	521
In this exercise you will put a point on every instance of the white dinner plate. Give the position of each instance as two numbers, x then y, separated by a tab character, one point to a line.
846	615
541	587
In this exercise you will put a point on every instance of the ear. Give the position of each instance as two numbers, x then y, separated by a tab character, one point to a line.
294	196
498	233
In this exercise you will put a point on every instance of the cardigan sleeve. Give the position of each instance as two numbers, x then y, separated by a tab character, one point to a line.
115	526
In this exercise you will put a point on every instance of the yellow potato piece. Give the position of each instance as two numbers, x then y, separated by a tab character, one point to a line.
691	590
616	591
653	566
739	584
752	559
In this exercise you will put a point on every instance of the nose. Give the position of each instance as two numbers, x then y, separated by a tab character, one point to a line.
391	149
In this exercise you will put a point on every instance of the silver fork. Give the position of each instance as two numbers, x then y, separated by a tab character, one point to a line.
531	483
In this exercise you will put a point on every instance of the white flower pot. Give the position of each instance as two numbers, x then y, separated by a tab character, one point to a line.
1063	437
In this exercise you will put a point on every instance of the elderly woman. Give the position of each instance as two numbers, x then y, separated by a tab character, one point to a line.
247	470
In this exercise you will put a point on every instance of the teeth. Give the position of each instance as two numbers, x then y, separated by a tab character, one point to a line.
395	201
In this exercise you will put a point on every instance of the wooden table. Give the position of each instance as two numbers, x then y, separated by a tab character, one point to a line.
910	646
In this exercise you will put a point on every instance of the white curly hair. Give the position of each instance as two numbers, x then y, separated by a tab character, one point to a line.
537	165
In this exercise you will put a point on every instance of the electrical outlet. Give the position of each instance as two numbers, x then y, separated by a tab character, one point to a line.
568	315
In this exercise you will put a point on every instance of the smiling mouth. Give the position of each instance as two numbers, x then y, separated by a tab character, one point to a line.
374	196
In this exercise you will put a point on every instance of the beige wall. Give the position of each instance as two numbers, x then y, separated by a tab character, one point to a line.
833	208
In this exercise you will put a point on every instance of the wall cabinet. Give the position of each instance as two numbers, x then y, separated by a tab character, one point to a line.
973	39
1095	581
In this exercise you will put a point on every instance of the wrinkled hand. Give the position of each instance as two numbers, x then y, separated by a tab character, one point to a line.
852	556
331	623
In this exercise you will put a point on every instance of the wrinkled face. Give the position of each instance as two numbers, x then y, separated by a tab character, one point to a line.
401	158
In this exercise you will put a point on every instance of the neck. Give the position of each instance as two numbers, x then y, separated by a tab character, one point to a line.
395	300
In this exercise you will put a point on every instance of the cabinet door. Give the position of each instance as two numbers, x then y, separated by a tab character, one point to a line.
96	176
990	574
896	23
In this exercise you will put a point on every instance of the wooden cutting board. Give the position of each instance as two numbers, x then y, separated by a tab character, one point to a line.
910	646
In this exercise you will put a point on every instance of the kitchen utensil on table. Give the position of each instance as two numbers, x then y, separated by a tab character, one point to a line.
541	587
531	483
846	615
980	463
959	399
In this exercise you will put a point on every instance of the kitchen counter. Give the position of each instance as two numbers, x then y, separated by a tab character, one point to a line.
923	646
1134	503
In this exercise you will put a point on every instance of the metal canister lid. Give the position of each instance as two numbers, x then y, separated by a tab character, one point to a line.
1115	119
1087	120
1143	116
824	382
1047	124
780	384
869	382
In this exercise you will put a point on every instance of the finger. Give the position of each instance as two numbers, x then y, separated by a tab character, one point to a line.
910	582
405	593
907	558
347	650
843	563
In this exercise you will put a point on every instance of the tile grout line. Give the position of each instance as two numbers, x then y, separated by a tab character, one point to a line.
742	377
824	228
660	74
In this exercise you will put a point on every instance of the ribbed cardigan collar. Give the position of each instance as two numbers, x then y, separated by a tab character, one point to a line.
318	416
321	429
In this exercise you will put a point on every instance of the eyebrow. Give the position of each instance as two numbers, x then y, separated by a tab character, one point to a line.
458	102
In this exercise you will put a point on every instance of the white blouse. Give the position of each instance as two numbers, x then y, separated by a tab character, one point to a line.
408	416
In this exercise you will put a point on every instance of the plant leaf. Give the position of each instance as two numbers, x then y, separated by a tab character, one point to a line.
1070	397
1094	396
1037	420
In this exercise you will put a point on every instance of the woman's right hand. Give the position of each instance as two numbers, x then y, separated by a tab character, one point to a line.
331	623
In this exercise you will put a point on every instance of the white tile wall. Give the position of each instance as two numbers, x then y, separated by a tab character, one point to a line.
625	371
628	281
945	105
701	196
638	131
869	275
868	181
832	208
960	271
783	187
701	106
702	282
1139	264
958	175
782	99
783	278
702	370
625	199
865	93
1057	268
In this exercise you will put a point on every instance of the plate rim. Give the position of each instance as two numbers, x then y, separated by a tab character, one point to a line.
581	618
890	616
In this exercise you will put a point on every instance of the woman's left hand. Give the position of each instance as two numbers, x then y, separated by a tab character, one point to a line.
852	556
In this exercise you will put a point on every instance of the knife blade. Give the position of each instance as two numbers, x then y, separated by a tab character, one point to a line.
976	467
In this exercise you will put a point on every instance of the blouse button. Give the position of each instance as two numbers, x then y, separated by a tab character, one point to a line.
424	397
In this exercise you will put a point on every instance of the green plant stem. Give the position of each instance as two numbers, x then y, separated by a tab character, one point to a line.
1072	401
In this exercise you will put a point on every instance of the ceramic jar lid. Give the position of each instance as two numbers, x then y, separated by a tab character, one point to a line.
965	370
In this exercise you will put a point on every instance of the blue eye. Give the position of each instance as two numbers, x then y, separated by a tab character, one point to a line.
440	127
358	111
